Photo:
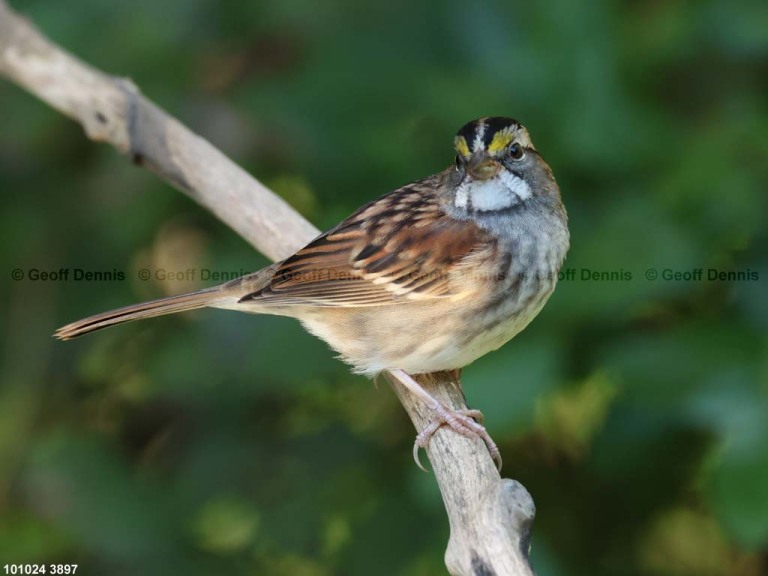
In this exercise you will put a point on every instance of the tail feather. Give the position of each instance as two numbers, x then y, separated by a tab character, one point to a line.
160	307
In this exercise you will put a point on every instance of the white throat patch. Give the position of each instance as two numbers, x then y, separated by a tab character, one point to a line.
503	191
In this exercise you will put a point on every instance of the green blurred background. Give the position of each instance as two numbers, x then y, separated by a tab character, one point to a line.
635	411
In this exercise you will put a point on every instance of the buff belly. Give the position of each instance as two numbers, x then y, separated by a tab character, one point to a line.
428	340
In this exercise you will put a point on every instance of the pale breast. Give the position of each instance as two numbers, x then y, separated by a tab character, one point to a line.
425	336
498	290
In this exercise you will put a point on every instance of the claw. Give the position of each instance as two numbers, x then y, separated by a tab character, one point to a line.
422	439
468	423
416	457
476	415
460	421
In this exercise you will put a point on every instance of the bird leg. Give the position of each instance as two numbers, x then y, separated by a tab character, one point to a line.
468	423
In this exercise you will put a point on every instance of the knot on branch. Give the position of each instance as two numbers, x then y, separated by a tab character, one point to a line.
517	513
494	540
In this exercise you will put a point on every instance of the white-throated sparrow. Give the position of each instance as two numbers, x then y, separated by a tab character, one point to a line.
427	278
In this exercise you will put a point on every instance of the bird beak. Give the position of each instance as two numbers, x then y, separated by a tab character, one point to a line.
483	167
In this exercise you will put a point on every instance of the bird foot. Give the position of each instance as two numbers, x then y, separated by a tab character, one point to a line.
468	423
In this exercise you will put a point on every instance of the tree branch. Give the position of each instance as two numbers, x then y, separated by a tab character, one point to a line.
490	518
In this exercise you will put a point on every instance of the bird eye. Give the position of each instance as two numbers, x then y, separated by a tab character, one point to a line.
458	161
516	151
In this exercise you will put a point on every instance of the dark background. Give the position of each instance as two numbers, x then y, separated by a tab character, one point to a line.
635	411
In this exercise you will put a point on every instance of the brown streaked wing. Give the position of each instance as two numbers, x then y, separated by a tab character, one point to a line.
399	248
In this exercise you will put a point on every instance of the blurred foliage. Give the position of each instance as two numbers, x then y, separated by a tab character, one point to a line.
635	411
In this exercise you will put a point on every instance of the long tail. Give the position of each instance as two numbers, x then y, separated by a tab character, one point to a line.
191	301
